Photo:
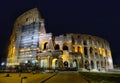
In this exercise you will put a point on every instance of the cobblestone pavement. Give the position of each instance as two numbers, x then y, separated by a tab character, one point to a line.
59	77
66	77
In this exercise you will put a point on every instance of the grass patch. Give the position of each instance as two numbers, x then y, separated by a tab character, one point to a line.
92	77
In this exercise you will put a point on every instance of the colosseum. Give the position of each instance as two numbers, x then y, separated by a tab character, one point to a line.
30	44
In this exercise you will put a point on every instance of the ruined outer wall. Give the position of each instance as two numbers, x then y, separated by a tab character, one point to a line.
26	18
97	49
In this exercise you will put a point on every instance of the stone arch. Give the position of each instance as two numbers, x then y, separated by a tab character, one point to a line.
65	46
57	47
66	64
80	57
86	52
96	53
45	46
54	63
101	57
75	64
84	42
97	64
91	50
86	64
92	65
44	63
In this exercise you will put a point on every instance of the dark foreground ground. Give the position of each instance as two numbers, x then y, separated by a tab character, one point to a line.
61	77
101	77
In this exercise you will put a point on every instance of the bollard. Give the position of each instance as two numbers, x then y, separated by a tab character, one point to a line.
7	75
24	80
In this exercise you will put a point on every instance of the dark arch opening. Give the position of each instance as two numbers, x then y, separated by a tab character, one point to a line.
86	64
45	45
92	64
85	42
75	64
57	47
91	50
97	64
85	52
65	48
66	64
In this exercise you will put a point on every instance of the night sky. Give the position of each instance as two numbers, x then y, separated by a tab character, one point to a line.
100	18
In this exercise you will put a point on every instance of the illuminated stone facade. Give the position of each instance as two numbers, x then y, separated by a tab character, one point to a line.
31	43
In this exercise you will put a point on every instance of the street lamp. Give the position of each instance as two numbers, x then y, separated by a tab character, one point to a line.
3	64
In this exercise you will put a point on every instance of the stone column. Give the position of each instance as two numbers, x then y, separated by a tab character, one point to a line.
48	61
95	65
88	52
100	64
39	62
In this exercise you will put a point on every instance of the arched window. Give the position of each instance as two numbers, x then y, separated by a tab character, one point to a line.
91	50
84	42
85	51
97	64
86	64
26	19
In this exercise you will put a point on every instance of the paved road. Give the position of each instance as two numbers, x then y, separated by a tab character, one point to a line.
66	77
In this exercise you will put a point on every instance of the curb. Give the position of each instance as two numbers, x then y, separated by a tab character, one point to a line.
47	78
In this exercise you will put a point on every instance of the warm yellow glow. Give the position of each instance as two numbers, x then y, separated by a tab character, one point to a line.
100	50
64	57
37	48
10	64
109	53
34	49
43	42
21	50
53	63
95	49
28	49
81	50
44	63
103	52
76	50
13	50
